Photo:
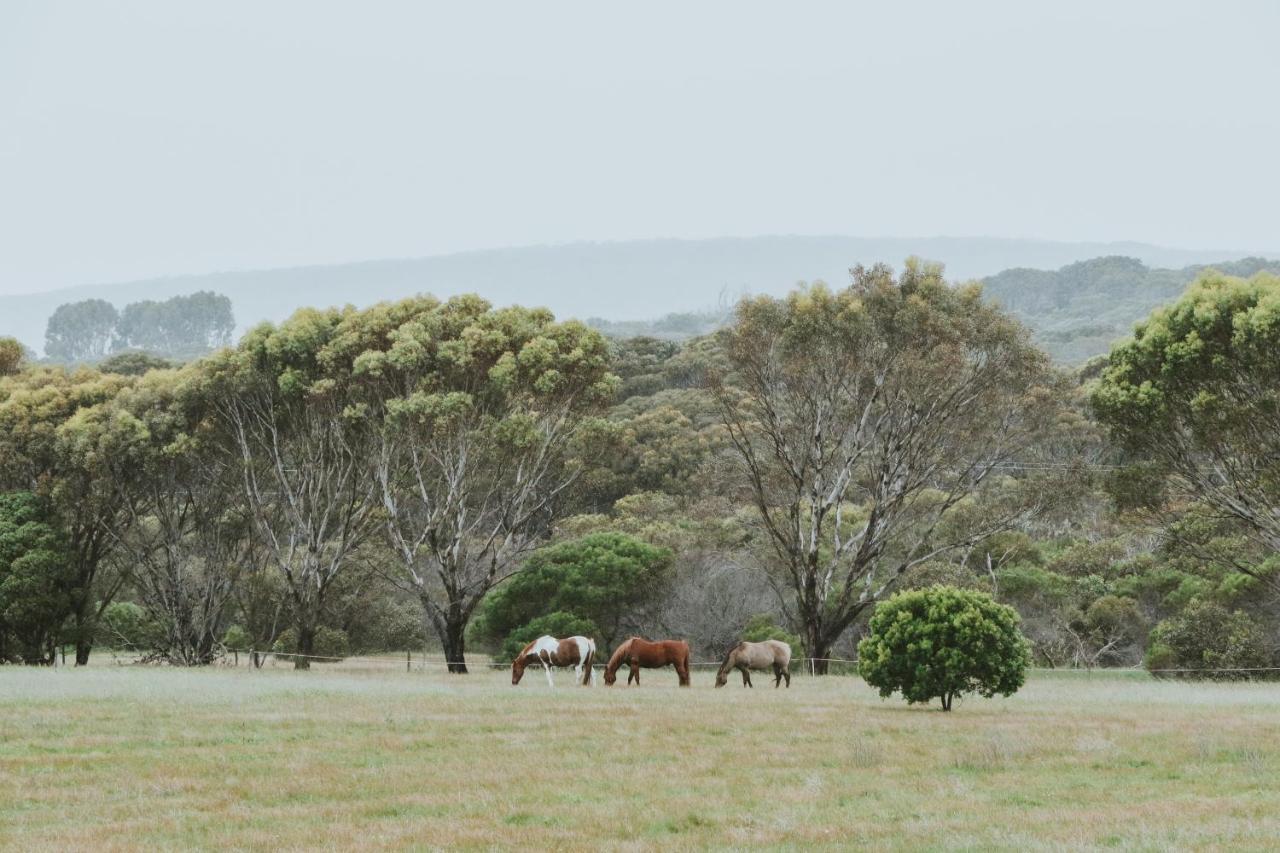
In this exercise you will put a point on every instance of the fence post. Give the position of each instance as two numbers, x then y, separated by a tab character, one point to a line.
408	661
235	653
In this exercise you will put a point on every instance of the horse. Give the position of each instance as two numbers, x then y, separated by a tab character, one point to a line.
577	652
638	652
746	656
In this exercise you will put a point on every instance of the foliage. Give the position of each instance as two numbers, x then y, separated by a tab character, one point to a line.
1208	641
866	419
557	624
604	578
35	579
126	626
329	644
80	331
1192	399
475	411
181	326
942	643
133	363
12	354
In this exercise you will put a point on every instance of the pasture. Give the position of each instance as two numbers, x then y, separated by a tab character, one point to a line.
131	757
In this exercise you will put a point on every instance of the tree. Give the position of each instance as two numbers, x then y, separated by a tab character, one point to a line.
942	643
1208	641
866	419
35	580
476	412
181	326
80	331
1194	400
188	537
604	578
287	400
12	354
38	455
133	363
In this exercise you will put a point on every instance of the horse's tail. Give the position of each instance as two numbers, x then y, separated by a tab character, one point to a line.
587	675
682	666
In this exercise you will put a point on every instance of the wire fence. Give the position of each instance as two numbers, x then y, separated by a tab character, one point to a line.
420	662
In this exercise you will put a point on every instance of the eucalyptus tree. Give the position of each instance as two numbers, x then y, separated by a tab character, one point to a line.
1194	400
80	331
36	456
866	420
188	537
287	400
476	412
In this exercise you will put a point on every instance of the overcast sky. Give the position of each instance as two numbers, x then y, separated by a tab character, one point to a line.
148	138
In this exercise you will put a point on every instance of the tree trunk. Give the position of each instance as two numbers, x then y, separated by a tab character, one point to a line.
454	640
306	646
818	647
946	701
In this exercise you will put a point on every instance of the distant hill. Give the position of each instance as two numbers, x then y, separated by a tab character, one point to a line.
624	281
1078	311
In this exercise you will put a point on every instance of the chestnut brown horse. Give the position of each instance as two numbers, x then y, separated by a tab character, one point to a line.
744	657
577	652
638	652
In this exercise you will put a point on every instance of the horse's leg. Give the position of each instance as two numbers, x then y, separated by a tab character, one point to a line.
746	677
635	674
786	673
547	669
777	676
682	672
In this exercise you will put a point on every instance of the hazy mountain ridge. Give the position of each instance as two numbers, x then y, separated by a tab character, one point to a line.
621	281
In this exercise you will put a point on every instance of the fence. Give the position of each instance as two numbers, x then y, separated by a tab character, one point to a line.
836	666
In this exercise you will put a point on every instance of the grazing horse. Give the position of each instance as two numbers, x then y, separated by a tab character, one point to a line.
745	657
638	652
577	652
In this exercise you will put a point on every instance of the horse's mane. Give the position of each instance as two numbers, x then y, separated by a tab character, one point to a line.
615	660
724	664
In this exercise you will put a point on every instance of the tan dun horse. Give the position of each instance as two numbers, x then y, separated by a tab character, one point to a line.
638	652
744	657
577	652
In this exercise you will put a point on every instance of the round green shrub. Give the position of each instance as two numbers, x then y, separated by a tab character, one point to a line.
941	643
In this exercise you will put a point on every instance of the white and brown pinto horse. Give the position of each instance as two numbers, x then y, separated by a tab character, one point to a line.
577	652
744	657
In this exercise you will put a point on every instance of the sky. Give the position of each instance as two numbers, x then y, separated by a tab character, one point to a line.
141	139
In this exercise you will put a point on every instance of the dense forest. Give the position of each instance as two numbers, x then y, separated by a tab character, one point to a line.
462	477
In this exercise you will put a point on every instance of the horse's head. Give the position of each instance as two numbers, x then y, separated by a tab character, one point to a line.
517	669
610	676
722	675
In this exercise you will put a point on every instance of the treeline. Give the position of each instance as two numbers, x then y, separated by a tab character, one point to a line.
181	327
450	474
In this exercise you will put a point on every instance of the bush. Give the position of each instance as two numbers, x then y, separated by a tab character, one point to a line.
125	625
559	624
237	639
944	642
1204	640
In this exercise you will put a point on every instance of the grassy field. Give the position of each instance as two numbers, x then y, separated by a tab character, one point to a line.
125	757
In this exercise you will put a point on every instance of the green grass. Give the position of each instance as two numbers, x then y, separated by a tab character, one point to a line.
124	758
